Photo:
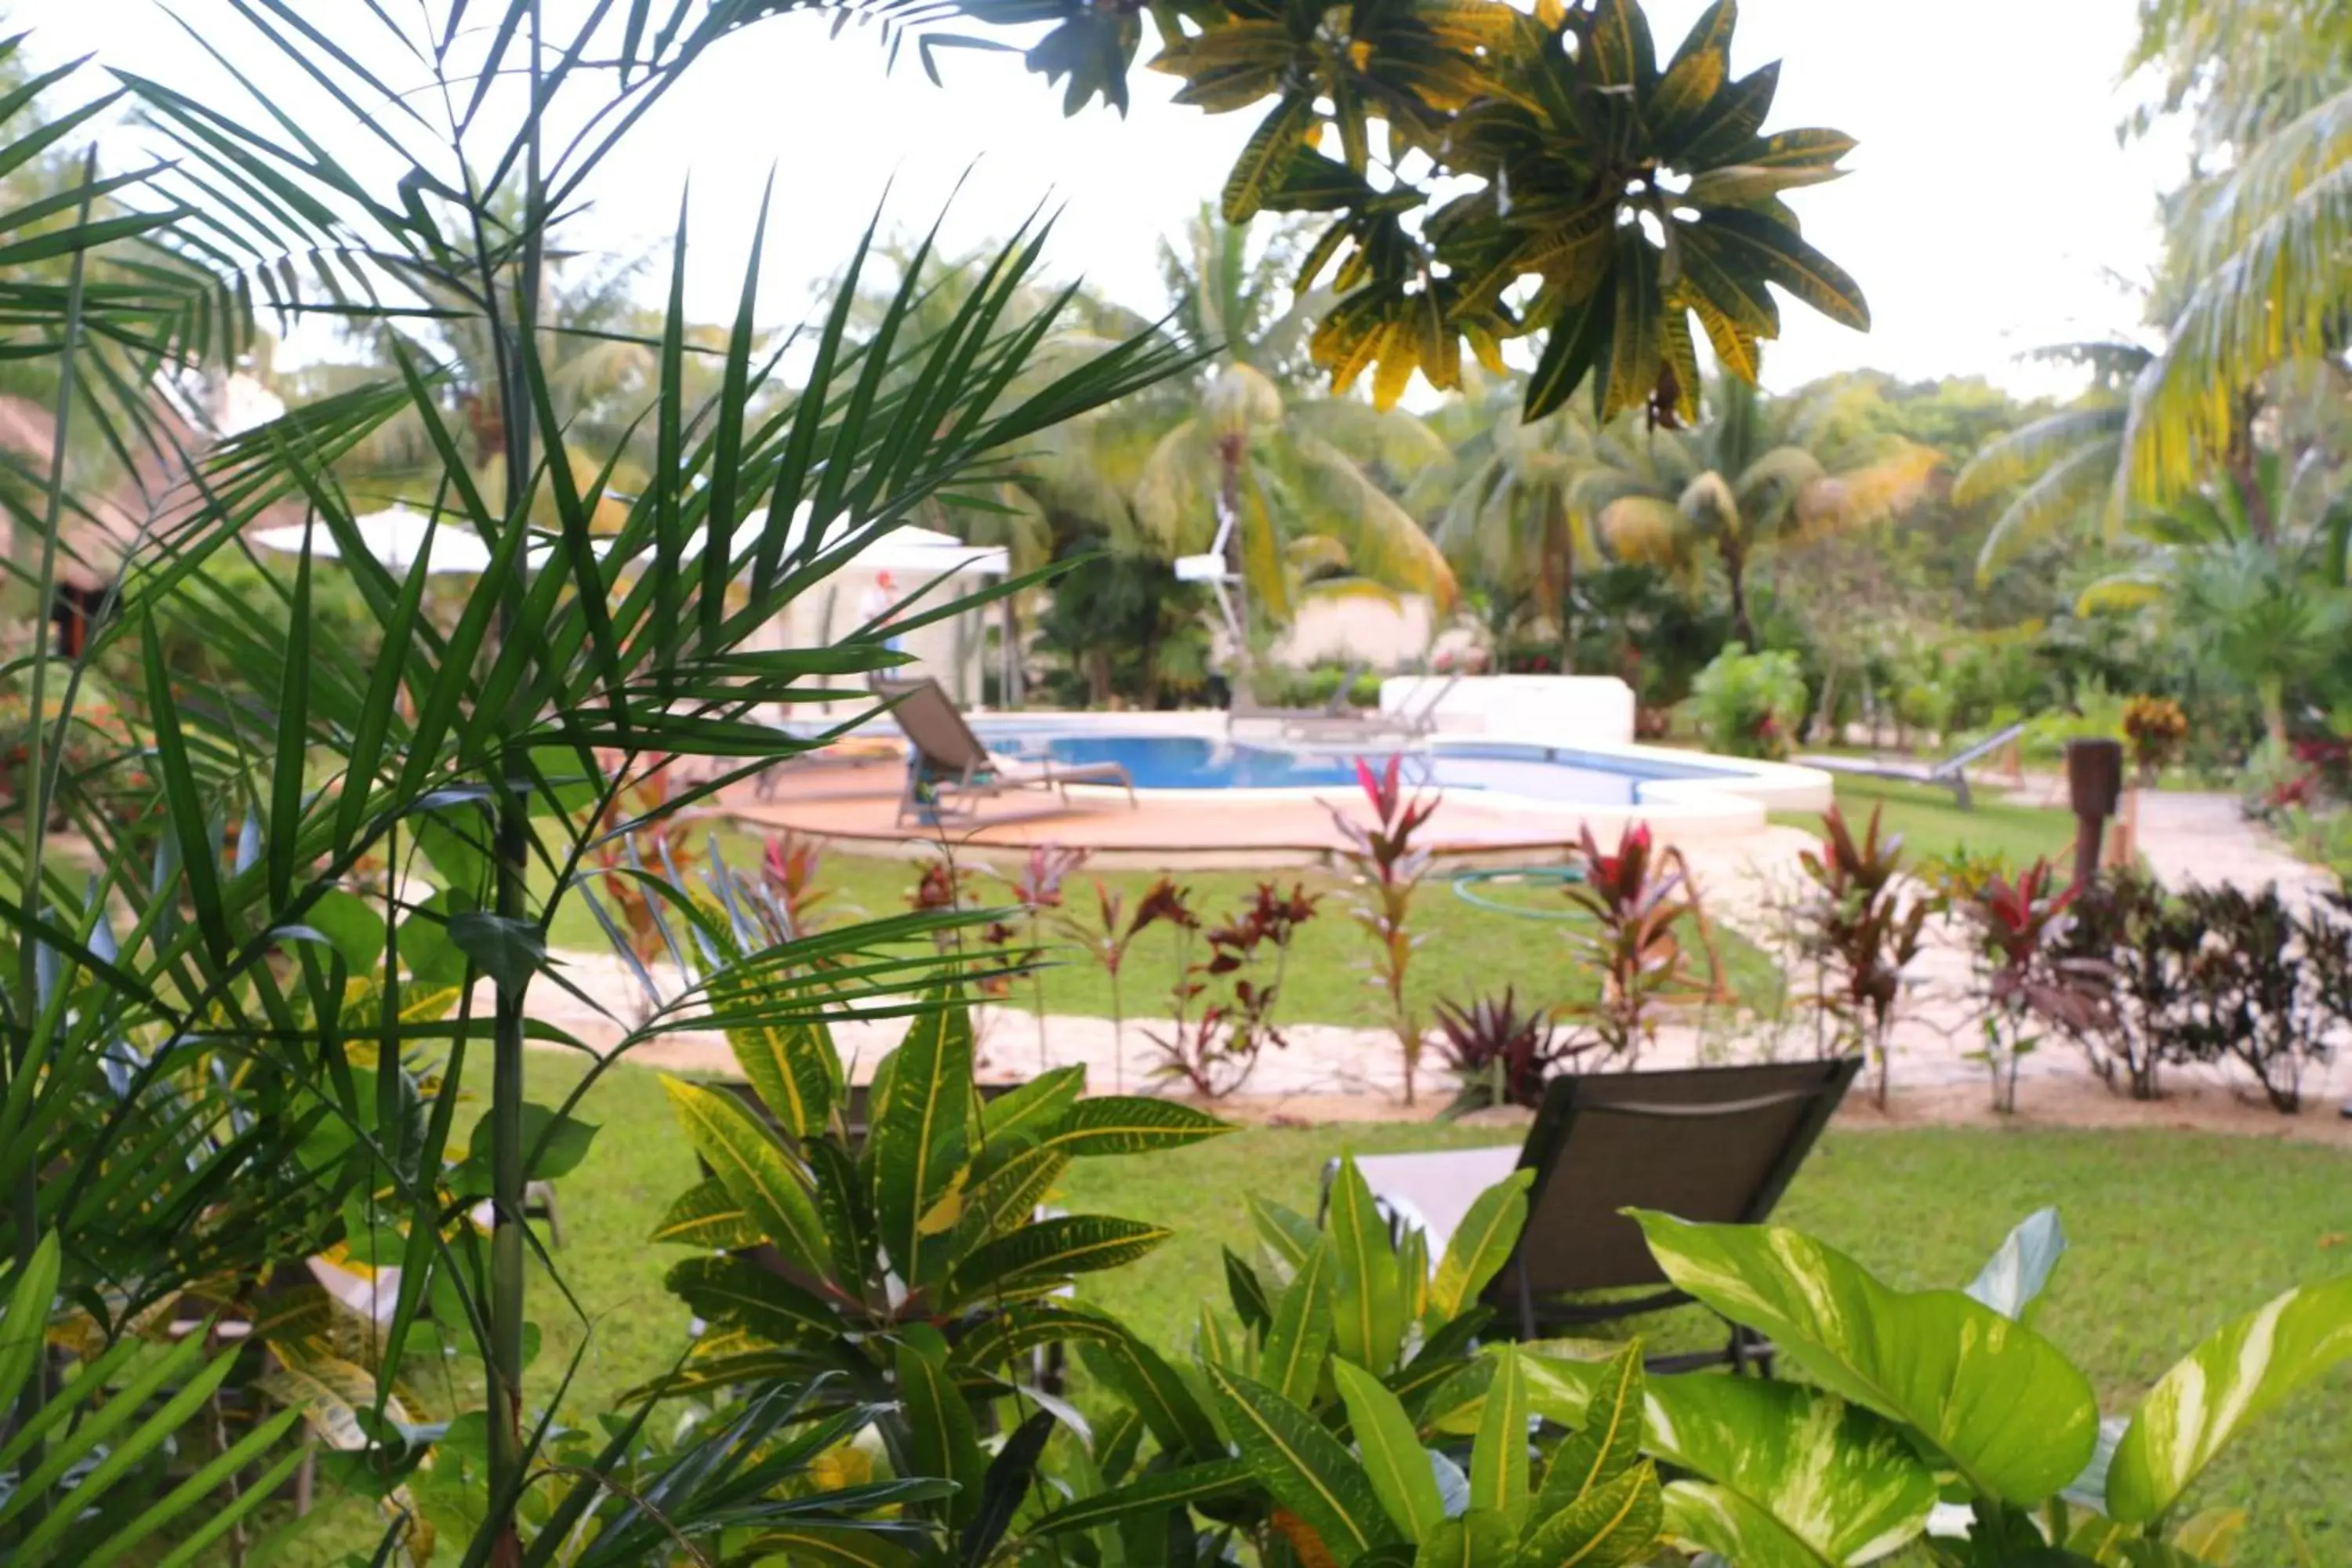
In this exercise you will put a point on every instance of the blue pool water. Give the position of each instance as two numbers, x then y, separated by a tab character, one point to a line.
1193	762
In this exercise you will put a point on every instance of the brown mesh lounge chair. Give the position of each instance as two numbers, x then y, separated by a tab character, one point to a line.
946	761
1715	1144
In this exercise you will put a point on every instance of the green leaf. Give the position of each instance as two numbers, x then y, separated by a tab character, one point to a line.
1577	340
1289	1235
25	1330
826	1546
2014	1277
1393	1456
1266	156
1499	1458
1615	1525
790	1066
1635	346
2243	1372
1750	241
756	1169
1248	1293
553	1145
1130	1125
941	1438
1717	1520
2001	1402
1158	1394
1300	1336
1479	1246
1151	1494
738	1292
1009	1196
1698	71
508	951
1740	184
354	926
1840	1481
1607	1442
1478	1538
708	1216
1021	1117
1052	1249
1304	1465
1367	1311
916	1147
1620	44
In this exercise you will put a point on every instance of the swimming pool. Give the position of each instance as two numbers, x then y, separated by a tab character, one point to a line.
1202	763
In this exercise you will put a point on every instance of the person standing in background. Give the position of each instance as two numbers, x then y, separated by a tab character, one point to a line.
877	604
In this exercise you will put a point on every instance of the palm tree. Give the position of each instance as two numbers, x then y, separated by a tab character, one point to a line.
2066	461
2260	273
1511	518
1252	446
2254	582
1760	472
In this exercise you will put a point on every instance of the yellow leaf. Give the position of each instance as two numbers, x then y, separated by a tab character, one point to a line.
1397	363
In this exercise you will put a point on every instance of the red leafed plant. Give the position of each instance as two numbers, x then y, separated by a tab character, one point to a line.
1636	897
791	863
1861	930
1389	868
1038	889
1215	1052
2022	972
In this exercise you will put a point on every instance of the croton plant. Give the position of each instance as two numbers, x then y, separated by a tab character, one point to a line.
1487	173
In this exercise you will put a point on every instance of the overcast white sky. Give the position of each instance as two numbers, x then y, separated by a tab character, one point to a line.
1990	209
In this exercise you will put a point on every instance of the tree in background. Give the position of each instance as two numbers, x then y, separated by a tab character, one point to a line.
1256	444
1760	473
2258	273
1509	522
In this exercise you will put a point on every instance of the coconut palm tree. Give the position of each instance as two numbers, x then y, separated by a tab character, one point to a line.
2260	273
1294	472
1510	519
1758	473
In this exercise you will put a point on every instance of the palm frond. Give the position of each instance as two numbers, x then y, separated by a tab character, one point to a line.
2080	480
2025	453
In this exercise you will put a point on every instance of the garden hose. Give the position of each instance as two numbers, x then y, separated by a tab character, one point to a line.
1467	882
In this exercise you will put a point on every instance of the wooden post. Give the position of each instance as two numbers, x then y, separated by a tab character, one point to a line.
2095	782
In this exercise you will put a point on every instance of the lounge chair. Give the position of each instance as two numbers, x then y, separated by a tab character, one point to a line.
1246	708
945	759
1409	721
1951	774
1713	1144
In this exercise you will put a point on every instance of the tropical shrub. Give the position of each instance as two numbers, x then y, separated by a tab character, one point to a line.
2157	728
1749	704
1239	986
1036	889
2263	986
2024	976
1861	927
2147	945
1913	1395
1499	1055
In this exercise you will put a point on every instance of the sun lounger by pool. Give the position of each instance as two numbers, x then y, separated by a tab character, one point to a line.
1713	1144
948	768
1951	774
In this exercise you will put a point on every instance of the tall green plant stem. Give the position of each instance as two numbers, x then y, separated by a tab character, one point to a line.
41	775
510	850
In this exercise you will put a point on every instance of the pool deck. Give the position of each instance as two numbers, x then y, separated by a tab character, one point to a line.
857	804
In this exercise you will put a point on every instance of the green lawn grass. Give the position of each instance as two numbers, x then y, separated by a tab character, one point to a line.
1933	825
2173	1234
1468	951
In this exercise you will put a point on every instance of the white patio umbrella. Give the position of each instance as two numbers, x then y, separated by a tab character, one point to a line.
396	537
921	552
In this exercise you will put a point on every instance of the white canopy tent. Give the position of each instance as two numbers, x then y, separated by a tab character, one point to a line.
904	562
395	536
